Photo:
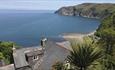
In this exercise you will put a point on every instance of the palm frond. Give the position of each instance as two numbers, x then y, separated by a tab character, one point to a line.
83	55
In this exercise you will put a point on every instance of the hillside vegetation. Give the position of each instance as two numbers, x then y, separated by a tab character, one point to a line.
91	10
6	52
106	33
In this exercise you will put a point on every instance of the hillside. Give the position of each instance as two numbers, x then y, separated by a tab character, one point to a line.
91	10
106	30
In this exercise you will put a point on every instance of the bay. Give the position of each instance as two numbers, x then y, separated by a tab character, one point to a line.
26	28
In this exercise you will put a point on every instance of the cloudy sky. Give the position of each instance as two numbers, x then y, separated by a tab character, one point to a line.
44	4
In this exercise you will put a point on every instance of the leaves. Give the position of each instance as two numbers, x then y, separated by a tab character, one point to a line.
106	33
1	56
6	51
83	55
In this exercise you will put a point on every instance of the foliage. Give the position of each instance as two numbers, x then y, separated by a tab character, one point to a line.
83	55
1	56
94	10
106	33
6	51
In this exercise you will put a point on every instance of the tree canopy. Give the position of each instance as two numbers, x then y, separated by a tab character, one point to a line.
6	52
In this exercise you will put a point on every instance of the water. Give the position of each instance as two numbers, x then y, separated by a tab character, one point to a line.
26	28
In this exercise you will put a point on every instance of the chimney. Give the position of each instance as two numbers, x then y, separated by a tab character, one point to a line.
14	49
43	42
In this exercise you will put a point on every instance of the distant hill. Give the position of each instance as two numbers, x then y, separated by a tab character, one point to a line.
91	10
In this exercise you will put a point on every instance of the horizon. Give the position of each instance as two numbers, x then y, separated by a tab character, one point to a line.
44	4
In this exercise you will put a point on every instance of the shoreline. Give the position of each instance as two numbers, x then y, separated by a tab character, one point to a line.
69	36
77	35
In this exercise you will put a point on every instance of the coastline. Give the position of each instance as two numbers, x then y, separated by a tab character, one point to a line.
73	36
77	35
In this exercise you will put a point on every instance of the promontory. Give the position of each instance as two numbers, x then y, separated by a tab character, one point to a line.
90	10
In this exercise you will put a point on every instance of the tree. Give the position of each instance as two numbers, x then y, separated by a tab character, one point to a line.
1	56
6	50
83	55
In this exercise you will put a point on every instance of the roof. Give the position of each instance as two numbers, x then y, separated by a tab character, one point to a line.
53	53
19	59
19	56
37	52
57	39
65	44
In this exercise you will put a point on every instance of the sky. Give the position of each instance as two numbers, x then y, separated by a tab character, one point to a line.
44	4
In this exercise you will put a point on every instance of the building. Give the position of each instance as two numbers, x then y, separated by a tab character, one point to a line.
39	58
26	58
53	53
33	56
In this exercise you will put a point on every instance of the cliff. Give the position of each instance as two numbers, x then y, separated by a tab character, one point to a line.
91	10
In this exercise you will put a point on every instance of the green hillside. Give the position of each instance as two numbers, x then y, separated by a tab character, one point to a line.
91	10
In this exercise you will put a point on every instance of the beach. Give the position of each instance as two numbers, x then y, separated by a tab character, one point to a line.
77	35
73	36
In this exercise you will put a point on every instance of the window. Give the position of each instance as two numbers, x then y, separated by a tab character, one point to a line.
35	57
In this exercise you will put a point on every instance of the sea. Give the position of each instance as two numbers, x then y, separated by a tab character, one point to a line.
27	27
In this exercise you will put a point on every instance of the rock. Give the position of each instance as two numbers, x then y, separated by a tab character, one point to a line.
67	11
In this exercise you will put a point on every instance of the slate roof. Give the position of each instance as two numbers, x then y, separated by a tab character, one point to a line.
53	53
37	52
19	56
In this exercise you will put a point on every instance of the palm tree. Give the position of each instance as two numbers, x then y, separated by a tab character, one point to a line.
83	55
